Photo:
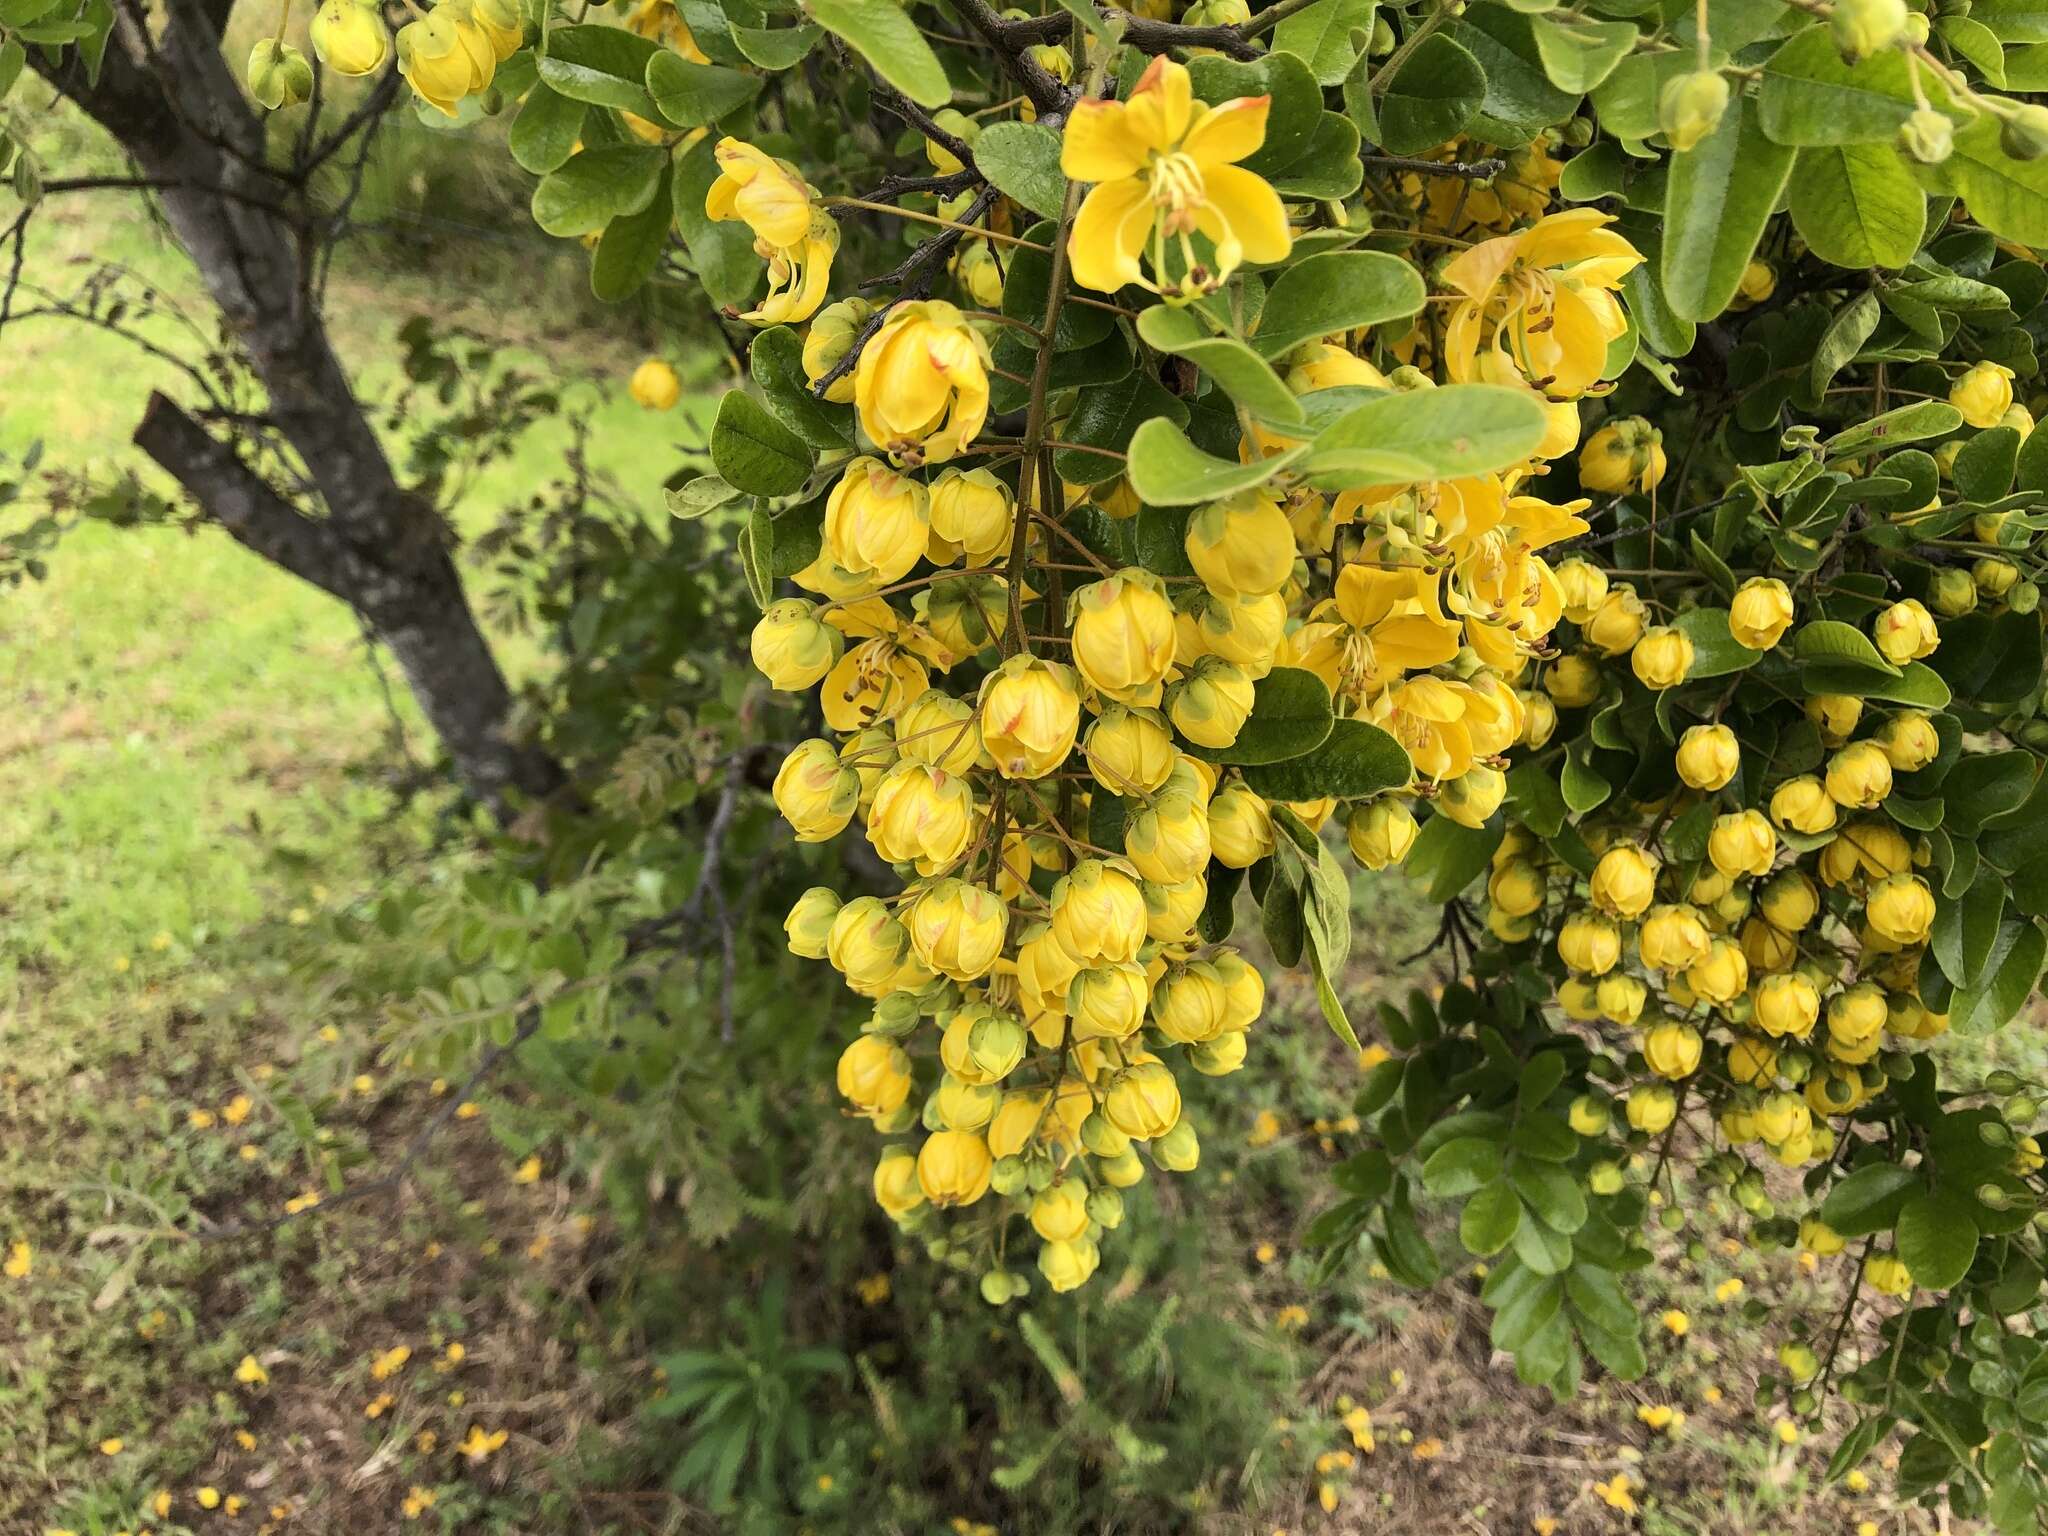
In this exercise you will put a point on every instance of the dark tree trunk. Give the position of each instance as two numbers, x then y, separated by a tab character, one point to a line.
168	97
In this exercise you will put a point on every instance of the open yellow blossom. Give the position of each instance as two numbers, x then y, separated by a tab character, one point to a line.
921	385
1164	168
251	1374
796	238
1544	298
21	1258
477	1446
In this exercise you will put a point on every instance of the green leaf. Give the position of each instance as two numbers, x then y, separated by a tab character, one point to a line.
1844	338
1583	787
697	95
1166	470
2010	971
1023	161
545	132
1984	468
1858	206
1552	1193
1538	802
1430	434
1330	1003
2008	197
1990	659
1322	35
1245	376
777	362
722	253
1721	195
755	452
595	187
1965	930
1520	101
12	57
1907	424
1107	416
1715	650
1291	714
2014	21
757	554
776	48
604	66
1432	98
1355	760
1832	640
1447	857
1937	1240
1327	167
1488	1222
1578	54
1811	97
1336	291
1460	1166
1868	1200
1295	112
882	33
631	247
1987	785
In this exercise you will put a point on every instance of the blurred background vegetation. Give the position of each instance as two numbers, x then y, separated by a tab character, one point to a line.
251	943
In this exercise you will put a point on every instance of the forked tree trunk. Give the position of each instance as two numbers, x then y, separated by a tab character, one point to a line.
168	97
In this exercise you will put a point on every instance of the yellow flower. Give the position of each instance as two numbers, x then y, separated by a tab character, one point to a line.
1618	1492
921	385
251	1374
527	1172
209	1498
1760	613
478	1446
874	1075
1622	456
21	1258
1164	168
1901	908
1983	395
764	192
417	1502
1543	299
1030	714
953	1168
392	1361
350	38
1662	657
1123	635
378	1406
446	55
1676	1323
112	1446
1905	632
655	386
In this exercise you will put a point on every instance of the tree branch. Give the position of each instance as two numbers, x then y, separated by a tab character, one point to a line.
239	499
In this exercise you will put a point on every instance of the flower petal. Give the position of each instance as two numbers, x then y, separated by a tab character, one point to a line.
1228	132
1161	105
1252	209
1109	233
1099	145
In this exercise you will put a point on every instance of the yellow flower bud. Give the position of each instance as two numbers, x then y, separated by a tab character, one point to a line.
1760	613
1886	1274
1858	1013
816	794
1623	455
1573	680
874	1075
877	522
809	923
1171	910
1863	27
1129	751
1624	882
1753	1060
1191	1003
1835	716
1781	1117
962	1106
1473	796
1539	718
1579	997
1983	394
1909	740
980	1045
1589	1116
953	1168
1589	944
1030	712
1621	998
444	57
1786	1004
957	929
1098	912
830	338
1672	1050
1582	586
1901	908
1322	365
1516	888
1905	632
974	511
1123	635
1673	938
922	816
1241	546
1143	1101
896	1187
1211	703
1689	107
350	37
1708	756
1859	776
1766	946
1994	577
1651	1108
1817	1237
1168	841
1953	592
792	647
1059	1214
1240	828
1219	1057
1244	988
1068	1265
1759	282
1107	1001
1381	832
1720	975
1617	624
1662	657
1802	805
921	386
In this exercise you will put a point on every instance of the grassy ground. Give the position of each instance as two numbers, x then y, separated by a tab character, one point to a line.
199	756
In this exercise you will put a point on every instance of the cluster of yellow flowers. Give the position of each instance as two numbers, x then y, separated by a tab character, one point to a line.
445	54
978	699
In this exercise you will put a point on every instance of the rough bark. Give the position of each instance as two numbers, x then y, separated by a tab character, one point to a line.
168	97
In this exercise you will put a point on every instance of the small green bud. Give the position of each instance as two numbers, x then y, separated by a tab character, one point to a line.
1008	1176
1690	106
995	1287
1106	1207
2022	1110
1928	136
2024	134
1864	27
2025	597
